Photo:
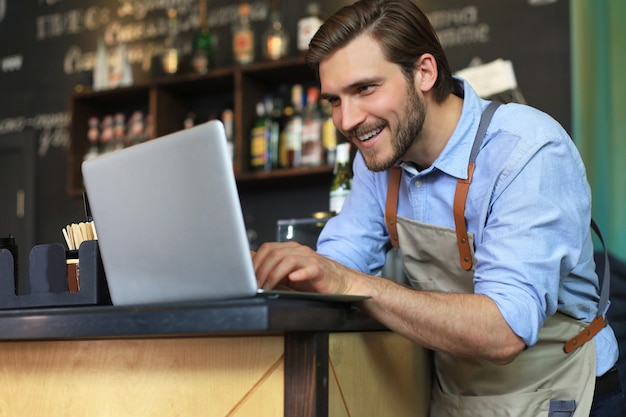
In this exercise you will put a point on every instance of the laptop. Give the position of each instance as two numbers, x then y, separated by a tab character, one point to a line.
169	222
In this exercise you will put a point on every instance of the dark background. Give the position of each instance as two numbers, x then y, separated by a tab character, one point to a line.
46	44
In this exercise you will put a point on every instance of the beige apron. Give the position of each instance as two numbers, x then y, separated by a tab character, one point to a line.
542	379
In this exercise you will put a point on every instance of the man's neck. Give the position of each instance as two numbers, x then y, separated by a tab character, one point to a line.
441	120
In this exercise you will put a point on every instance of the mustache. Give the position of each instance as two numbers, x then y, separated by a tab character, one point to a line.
363	129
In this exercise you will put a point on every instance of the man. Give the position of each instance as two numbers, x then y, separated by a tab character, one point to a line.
492	224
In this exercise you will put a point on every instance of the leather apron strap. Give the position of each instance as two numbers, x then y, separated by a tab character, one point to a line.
462	188
391	206
599	321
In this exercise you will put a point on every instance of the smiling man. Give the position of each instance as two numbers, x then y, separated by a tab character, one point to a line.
490	209
370	109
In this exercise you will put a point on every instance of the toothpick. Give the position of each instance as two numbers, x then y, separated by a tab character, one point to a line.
70	244
93	230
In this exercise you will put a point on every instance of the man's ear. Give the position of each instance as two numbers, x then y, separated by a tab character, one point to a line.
425	73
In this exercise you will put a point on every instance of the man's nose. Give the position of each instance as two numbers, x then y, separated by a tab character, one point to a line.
351	115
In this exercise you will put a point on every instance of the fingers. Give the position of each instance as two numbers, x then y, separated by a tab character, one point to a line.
275	263
299	267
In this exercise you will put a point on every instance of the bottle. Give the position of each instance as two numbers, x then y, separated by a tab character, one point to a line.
294	129
227	119
342	178
259	140
101	68
277	130
136	128
203	58
148	128
189	121
275	38
283	145
308	25
312	130
243	36
272	113
127	78
120	73
93	135
171	53
329	134
119	131
107	135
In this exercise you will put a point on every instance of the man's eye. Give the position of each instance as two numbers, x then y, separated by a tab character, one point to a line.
365	88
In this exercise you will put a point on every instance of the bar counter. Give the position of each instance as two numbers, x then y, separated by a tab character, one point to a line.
253	357
217	318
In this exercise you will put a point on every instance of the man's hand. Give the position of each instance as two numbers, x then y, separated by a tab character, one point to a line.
299	267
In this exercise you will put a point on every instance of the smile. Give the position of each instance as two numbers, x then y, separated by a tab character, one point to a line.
370	134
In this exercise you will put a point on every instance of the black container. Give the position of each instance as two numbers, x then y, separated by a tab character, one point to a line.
49	278
9	244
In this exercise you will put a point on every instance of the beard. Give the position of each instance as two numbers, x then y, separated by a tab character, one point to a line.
403	137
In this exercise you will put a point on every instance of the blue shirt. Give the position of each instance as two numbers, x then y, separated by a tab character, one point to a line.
529	208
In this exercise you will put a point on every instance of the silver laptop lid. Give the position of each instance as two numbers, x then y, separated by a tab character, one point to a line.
169	220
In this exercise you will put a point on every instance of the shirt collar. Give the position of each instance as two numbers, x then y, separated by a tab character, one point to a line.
454	158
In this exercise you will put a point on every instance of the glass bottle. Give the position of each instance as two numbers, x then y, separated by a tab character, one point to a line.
273	131
189	121
276	132
148	128
119	131
171	53
107	136
259	140
243	36
275	38
203	58
294	128
329	133
283	145
312	130
342	179
227	120
308	25
93	135
136	128
101	68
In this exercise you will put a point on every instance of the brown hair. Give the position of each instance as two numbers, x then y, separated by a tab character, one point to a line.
400	27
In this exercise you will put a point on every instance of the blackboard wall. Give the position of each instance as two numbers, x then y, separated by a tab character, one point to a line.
46	44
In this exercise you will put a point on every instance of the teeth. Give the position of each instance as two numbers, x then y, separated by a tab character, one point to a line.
370	134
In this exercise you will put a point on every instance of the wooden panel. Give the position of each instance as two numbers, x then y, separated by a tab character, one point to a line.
156	377
306	381
301	374
378	374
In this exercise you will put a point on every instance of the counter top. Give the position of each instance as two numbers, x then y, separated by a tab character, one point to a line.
212	318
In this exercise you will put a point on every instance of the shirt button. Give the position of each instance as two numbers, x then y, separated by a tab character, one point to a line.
418	183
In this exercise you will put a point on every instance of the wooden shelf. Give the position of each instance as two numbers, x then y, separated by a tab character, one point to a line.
284	177
168	100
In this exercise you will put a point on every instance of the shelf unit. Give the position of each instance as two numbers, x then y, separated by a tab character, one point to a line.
170	99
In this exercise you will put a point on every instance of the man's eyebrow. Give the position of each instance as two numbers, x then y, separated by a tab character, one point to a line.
352	86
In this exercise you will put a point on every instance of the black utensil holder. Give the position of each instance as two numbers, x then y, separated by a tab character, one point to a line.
48	278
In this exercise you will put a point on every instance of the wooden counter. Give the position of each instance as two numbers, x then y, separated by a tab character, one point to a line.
260	357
